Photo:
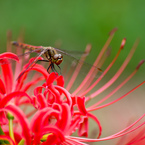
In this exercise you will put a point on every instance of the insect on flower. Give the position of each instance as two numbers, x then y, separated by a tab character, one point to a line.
51	55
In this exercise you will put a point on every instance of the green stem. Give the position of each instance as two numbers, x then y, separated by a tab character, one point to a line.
11	133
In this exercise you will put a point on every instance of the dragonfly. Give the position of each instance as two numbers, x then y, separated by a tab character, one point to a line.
52	55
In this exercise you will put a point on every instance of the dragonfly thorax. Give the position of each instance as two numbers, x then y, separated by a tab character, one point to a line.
52	55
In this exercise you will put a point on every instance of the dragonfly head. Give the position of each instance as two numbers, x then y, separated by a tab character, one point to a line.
57	59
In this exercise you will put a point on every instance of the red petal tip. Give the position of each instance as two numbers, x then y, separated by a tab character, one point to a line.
123	43
140	63
113	31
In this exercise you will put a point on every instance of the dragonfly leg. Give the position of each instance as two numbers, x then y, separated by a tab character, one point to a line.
50	66
43	60
53	68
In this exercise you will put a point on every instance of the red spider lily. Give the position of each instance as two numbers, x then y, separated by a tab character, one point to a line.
55	112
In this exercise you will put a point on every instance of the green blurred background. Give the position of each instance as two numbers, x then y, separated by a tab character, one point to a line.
76	23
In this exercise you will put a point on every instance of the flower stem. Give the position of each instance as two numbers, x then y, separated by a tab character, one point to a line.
11	133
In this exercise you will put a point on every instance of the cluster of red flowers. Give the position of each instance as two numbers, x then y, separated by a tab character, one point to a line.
51	114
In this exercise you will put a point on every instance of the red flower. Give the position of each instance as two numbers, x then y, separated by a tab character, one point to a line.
55	112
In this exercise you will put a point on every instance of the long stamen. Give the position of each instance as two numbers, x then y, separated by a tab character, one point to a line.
118	87
9	38
121	133
117	99
115	77
96	62
78	68
119	72
107	69
86	86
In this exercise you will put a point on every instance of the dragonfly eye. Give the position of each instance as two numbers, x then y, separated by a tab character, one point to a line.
58	58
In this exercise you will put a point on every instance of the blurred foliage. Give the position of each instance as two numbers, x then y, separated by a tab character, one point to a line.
74	24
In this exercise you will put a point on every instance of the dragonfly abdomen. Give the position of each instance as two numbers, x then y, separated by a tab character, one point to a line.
25	46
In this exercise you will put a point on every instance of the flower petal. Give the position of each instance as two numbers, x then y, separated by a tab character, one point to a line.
22	120
3	118
38	90
7	75
65	121
51	78
9	55
66	93
52	139
83	127
2	87
54	130
81	105
35	122
42	101
7	98
60	81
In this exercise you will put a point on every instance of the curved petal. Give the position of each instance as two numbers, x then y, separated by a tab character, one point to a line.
66	93
40	69
7	75
7	98
3	118
2	87
51	78
36	120
37	67
65	121
42	101
52	139
60	81
83	127
98	122
9	55
54	130
81	105
38	90
50	96
22	120
31	83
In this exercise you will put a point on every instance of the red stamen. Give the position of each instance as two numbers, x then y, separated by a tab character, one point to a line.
115	77
78	68
95	64
117	88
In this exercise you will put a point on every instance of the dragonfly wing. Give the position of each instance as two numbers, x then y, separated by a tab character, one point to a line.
29	52
32	64
72	52
78	60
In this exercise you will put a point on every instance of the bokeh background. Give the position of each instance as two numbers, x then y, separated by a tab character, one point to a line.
74	24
